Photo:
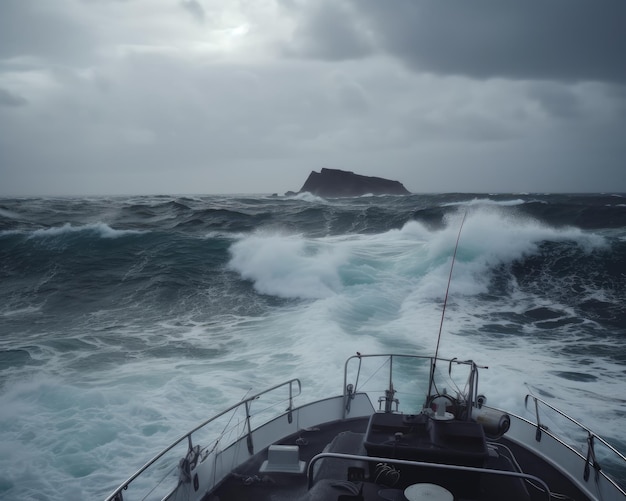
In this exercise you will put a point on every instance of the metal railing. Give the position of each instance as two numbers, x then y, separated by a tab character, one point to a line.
429	388
592	438
294	389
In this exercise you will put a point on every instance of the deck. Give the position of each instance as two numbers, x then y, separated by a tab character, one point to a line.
356	478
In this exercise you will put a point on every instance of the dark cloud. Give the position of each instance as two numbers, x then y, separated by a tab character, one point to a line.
10	99
194	8
327	30
557	100
37	29
566	40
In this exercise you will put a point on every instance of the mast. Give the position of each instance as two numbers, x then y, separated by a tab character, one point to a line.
431	380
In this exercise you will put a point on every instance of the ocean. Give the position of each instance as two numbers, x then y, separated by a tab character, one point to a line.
125	321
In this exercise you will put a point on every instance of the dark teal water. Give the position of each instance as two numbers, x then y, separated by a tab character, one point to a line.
124	321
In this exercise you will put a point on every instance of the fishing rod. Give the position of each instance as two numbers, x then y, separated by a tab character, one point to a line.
443	311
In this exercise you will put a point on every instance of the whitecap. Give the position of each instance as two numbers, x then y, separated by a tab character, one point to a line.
101	229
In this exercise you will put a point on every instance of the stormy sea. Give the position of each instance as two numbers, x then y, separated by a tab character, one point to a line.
126	321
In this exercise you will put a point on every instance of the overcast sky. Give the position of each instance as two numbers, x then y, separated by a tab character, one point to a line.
249	96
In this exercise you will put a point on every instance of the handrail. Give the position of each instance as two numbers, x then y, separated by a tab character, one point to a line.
391	356
187	436
350	389
406	462
590	433
590	460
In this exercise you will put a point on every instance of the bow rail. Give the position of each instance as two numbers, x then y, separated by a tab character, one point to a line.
195	452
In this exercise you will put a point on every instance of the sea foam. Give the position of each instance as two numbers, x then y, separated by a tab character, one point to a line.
103	230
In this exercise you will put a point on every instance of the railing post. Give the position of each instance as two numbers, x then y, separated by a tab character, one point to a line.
249	437
538	430
348	396
290	408
591	459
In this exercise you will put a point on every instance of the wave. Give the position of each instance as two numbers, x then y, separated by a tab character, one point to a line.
307	213
8	214
223	219
486	201
308	197
294	265
102	230
288	265
26	310
14	357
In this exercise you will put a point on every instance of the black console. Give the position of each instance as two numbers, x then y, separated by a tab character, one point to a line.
422	438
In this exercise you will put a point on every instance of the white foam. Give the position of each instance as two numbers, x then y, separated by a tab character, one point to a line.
288	265
486	202
296	266
305	196
27	310
9	214
102	229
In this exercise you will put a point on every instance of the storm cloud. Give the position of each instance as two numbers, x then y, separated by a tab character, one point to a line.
208	96
562	40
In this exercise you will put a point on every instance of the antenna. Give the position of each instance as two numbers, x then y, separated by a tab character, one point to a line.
445	302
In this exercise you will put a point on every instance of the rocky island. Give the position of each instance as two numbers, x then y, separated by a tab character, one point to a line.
341	183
